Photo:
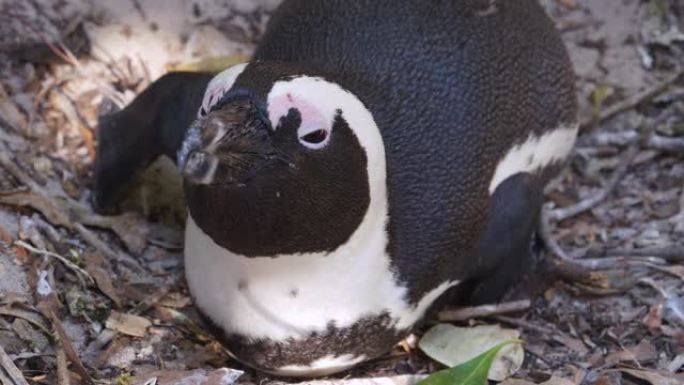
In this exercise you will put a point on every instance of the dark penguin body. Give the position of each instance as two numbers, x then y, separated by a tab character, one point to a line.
372	155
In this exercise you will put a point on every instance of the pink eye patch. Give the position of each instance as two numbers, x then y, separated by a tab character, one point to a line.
312	118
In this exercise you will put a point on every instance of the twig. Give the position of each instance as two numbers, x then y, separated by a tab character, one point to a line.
8	164
591	202
65	261
4	380
466	313
585	266
519	322
631	102
62	366
663	143
669	254
67	348
12	371
624	138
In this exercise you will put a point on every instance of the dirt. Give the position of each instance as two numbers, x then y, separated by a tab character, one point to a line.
120	296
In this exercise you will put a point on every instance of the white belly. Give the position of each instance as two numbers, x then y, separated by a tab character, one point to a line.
291	296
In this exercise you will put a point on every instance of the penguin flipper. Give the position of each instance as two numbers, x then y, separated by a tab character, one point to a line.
505	250
153	124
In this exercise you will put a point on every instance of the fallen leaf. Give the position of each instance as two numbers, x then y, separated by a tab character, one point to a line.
609	378
452	345
129	324
557	381
654	319
99	269
26	332
31	317
5	236
175	300
472	372
50	210
641	353
516	381
10	112
132	229
569	4
222	376
69	349
654	377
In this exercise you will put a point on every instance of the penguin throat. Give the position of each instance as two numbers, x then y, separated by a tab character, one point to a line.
259	220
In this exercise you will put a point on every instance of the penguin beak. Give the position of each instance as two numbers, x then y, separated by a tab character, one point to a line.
227	146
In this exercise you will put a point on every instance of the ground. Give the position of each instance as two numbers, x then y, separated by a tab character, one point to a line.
103	297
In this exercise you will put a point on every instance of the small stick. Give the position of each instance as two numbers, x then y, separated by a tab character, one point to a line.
11	369
65	261
621	139
466	313
527	325
670	254
62	366
663	143
65	346
631	102
591	202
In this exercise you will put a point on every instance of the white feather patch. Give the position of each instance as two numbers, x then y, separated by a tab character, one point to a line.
535	153
219	85
322	366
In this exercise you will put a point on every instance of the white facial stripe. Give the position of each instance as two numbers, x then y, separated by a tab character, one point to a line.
327	98
290	296
535	153
219	85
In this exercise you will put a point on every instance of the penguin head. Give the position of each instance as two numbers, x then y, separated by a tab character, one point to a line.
277	162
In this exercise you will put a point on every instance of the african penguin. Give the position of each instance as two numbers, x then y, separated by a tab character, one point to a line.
372	155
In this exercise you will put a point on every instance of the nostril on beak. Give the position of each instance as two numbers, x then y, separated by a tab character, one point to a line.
199	167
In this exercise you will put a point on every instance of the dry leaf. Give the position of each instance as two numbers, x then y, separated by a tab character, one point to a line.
655	378
557	381
69	349
222	376
132	230
50	210
654	319
175	300
641	353
451	346
99	269
10	112
129	324
5	236
516	381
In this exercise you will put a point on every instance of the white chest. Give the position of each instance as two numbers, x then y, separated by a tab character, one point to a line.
291	296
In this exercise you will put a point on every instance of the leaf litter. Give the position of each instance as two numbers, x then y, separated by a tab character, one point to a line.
619	323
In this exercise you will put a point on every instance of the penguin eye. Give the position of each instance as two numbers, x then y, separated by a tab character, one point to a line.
315	139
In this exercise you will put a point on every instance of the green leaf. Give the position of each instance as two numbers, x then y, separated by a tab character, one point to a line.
473	372
452	345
